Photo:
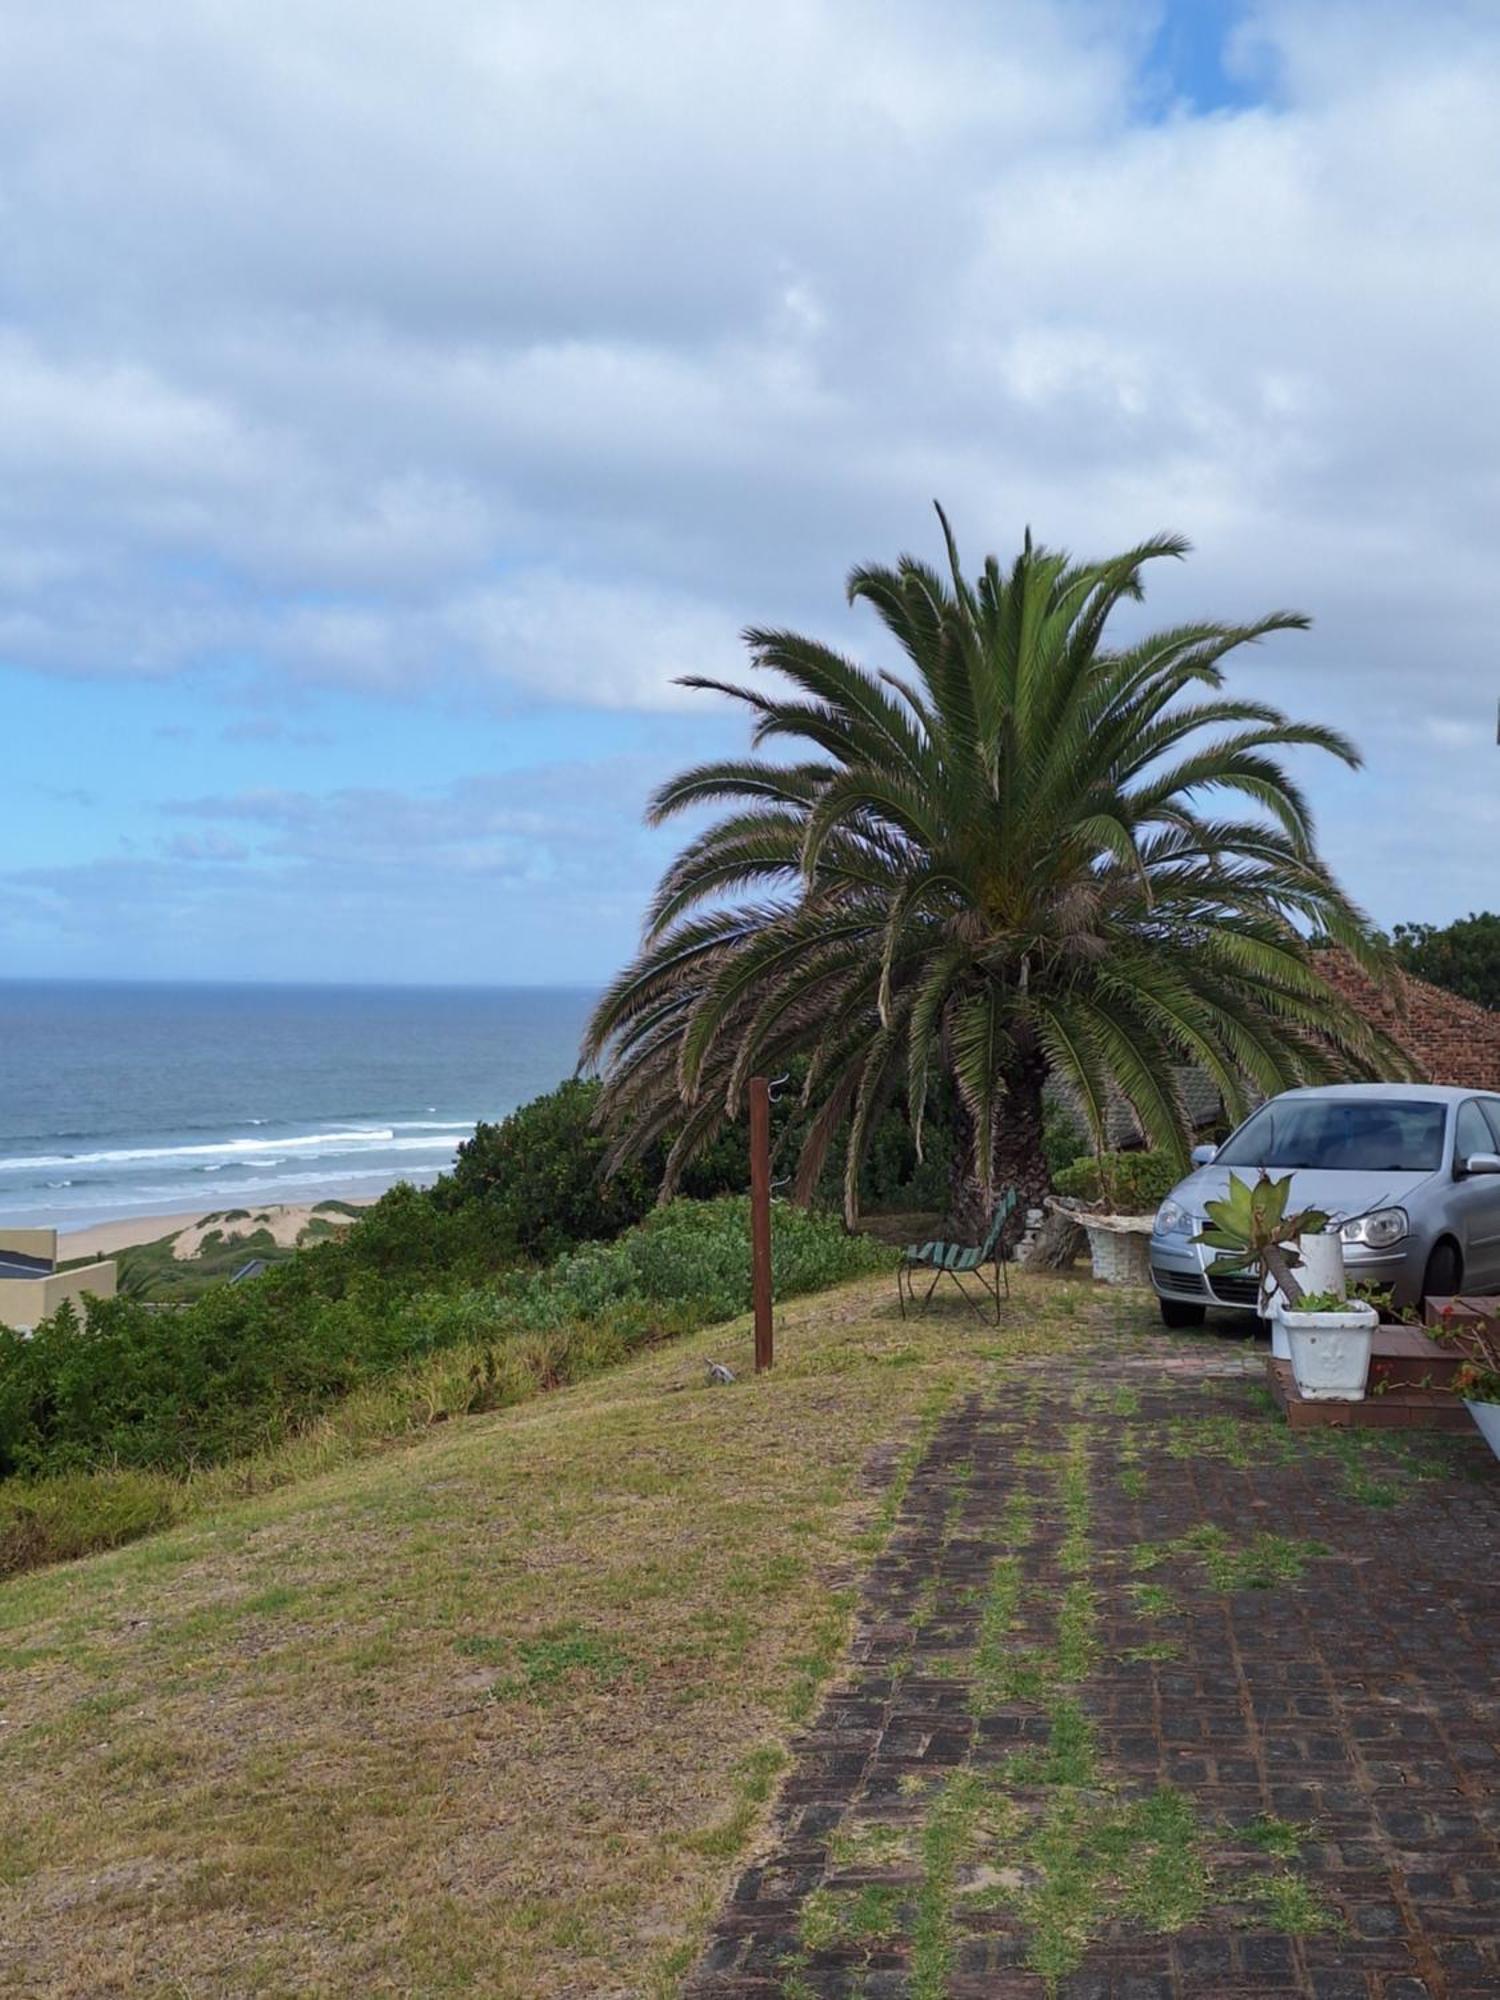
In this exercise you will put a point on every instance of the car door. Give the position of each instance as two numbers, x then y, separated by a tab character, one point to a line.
1490	1110
1476	1197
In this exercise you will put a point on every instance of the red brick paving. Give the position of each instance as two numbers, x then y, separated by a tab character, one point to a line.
1362	1702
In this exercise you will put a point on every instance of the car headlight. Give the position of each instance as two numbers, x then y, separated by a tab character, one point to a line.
1378	1230
1173	1220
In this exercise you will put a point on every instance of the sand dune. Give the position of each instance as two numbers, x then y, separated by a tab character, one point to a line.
285	1220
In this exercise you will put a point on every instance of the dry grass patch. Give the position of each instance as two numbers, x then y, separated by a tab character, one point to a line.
493	1712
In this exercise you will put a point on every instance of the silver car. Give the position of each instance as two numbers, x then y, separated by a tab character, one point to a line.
1413	1168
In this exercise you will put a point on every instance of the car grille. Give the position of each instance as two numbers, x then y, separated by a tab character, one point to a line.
1237	1288
1177	1281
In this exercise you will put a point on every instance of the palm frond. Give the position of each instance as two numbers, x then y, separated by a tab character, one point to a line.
1027	851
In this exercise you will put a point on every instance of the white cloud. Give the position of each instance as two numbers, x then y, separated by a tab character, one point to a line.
577	642
534	351
346	303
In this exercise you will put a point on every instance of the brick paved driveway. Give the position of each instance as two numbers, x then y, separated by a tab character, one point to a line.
1148	1698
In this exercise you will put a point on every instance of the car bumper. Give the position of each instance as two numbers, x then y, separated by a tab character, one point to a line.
1179	1271
1402	1268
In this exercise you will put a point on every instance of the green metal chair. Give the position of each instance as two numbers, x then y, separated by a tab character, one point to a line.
957	1261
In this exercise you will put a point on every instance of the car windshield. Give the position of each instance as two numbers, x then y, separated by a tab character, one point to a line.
1377	1136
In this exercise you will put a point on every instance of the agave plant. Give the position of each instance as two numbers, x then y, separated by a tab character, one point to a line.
1250	1226
1004	862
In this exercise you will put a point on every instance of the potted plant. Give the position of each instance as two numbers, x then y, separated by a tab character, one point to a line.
1326	1336
1472	1334
1113	1198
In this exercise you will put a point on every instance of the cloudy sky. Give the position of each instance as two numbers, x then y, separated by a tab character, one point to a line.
394	399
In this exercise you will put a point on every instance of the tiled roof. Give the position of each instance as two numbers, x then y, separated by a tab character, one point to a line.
1451	1040
1199	1095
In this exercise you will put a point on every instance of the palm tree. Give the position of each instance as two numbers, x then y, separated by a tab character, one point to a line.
1003	864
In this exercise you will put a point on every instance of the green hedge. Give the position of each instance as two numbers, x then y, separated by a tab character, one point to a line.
1132	1183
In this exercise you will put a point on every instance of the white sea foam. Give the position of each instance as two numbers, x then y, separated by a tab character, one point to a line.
318	1145
253	1189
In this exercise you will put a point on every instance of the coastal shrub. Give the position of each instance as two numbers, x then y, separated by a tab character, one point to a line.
540	1173
698	1255
1132	1183
247	1366
408	1238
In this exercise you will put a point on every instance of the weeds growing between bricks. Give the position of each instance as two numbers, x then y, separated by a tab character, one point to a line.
1048	1833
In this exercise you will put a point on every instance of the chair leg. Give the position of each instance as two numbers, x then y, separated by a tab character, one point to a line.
963	1293
901	1287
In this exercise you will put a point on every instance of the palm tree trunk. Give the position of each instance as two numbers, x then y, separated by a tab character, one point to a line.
1019	1158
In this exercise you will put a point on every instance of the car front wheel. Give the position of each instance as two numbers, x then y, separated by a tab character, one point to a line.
1175	1314
1444	1272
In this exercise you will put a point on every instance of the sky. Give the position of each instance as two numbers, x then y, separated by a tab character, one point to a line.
395	400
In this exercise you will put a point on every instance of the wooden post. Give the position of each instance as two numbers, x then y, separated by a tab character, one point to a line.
760	1218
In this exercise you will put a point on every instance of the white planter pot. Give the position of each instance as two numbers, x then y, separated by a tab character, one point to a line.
1120	1249
1322	1266
1330	1352
1321	1270
1487	1416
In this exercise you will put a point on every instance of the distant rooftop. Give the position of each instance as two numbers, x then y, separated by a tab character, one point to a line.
14	1265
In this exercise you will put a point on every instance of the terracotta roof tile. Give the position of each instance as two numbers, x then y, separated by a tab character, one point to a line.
1450	1039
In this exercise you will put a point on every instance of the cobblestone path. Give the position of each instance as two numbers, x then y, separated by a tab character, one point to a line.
1148	1698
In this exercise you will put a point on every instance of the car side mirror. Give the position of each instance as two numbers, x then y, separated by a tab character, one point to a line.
1204	1156
1482	1163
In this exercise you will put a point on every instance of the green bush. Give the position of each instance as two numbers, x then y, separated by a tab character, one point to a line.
1062	1140
893	1176
408	1238
1132	1183
540	1172
247	1366
698	1255
539	1175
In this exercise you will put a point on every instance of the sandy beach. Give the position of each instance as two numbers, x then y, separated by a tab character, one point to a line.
285	1220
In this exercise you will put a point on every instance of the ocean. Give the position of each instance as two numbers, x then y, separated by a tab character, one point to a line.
119	1100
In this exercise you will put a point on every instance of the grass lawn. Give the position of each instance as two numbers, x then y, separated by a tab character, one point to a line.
495	1711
